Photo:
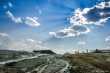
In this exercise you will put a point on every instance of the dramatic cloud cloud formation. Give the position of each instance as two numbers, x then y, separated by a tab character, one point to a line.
96	15
31	21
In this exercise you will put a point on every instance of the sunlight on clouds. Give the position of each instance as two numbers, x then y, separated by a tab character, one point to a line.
78	18
72	31
96	15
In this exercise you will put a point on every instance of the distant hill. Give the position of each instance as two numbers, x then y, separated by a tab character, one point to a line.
12	54
101	51
44	51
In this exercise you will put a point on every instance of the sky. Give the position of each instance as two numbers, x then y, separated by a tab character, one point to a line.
59	25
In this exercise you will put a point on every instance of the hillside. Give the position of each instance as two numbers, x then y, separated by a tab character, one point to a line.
89	63
39	62
12	54
46	61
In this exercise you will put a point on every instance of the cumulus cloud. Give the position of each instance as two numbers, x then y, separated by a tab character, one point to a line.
30	21
97	14
81	18
71	31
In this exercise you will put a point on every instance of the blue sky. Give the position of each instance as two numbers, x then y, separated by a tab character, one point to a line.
59	24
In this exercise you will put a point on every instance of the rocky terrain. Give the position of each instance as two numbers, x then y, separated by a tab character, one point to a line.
47	61
37	63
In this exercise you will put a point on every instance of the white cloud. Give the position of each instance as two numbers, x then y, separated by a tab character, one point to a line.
72	31
81	18
13	18
34	41
3	34
102	5
30	21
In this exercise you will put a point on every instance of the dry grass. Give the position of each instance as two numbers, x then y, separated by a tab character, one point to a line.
89	63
